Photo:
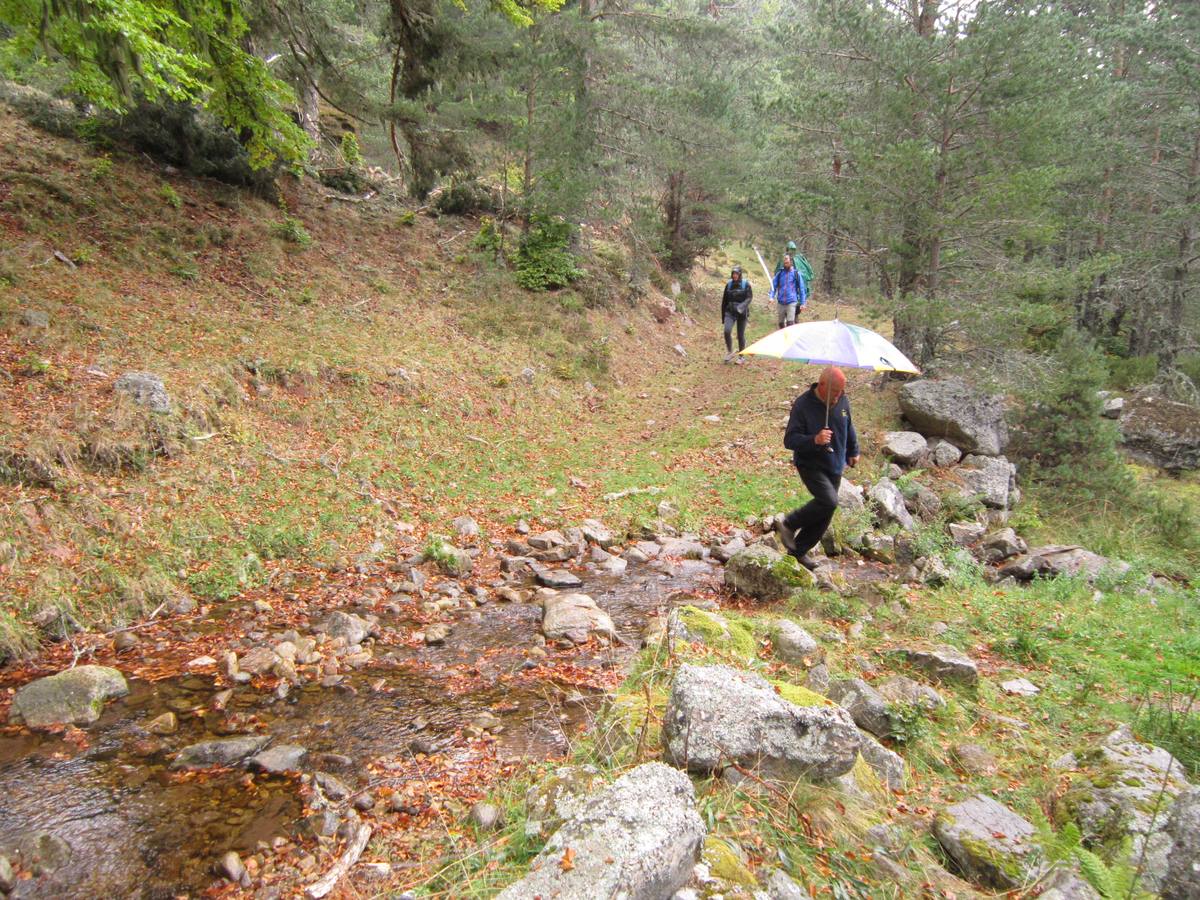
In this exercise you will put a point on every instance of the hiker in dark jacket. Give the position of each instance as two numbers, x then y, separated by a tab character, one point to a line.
820	433
735	310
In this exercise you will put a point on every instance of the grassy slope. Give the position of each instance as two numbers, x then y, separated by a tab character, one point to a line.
299	441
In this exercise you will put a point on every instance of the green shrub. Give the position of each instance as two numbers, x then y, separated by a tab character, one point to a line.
463	197
100	169
1060	432
168	194
351	151
544	261
1132	371
292	230
489	237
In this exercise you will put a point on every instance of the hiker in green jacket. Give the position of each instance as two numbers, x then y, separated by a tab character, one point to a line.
802	265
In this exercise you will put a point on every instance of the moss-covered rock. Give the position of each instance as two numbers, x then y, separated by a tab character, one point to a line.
766	574
989	843
799	696
1120	793
726	863
74	697
687	623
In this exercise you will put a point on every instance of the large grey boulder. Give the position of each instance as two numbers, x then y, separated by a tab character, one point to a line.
990	843
717	715
766	574
1125	788
990	478
73	697
906	447
1162	433
221	752
794	645
889	501
575	617
558	797
951	408
944	664
850	496
1183	862
145	389
1062	559
866	705
637	839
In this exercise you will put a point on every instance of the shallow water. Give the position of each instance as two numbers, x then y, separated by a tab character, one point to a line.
138	830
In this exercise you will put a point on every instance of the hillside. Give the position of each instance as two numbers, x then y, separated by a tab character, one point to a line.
349	381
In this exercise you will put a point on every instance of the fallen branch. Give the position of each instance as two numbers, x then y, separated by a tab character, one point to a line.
345	863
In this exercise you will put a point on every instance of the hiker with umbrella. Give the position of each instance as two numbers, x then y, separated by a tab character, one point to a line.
820	431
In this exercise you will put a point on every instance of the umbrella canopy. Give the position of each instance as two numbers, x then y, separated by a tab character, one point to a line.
833	343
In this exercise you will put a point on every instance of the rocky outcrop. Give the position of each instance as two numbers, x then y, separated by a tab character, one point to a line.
1125	788
950	408
1061	559
575	617
906	447
990	843
638	839
555	799
74	697
1183	862
1162	433
717	715
944	664
766	574
890	504
1001	545
866	705
991	479
145	389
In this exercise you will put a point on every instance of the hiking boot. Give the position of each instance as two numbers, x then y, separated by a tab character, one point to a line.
740	361
809	562
729	357
787	537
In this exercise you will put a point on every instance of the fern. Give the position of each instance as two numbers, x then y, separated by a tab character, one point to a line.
1113	881
1097	873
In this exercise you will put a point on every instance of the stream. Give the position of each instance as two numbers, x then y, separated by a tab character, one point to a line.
132	827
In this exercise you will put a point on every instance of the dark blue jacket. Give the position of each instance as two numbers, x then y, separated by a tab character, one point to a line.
807	418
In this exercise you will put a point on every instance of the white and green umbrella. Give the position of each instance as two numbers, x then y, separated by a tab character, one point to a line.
833	343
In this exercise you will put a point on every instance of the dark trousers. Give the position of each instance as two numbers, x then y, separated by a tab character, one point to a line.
730	318
810	520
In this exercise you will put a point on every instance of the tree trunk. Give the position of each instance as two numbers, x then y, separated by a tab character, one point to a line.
1177	291
310	114
832	243
527	168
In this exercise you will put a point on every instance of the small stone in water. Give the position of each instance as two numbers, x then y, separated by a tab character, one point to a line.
231	867
125	640
201	661
167	723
